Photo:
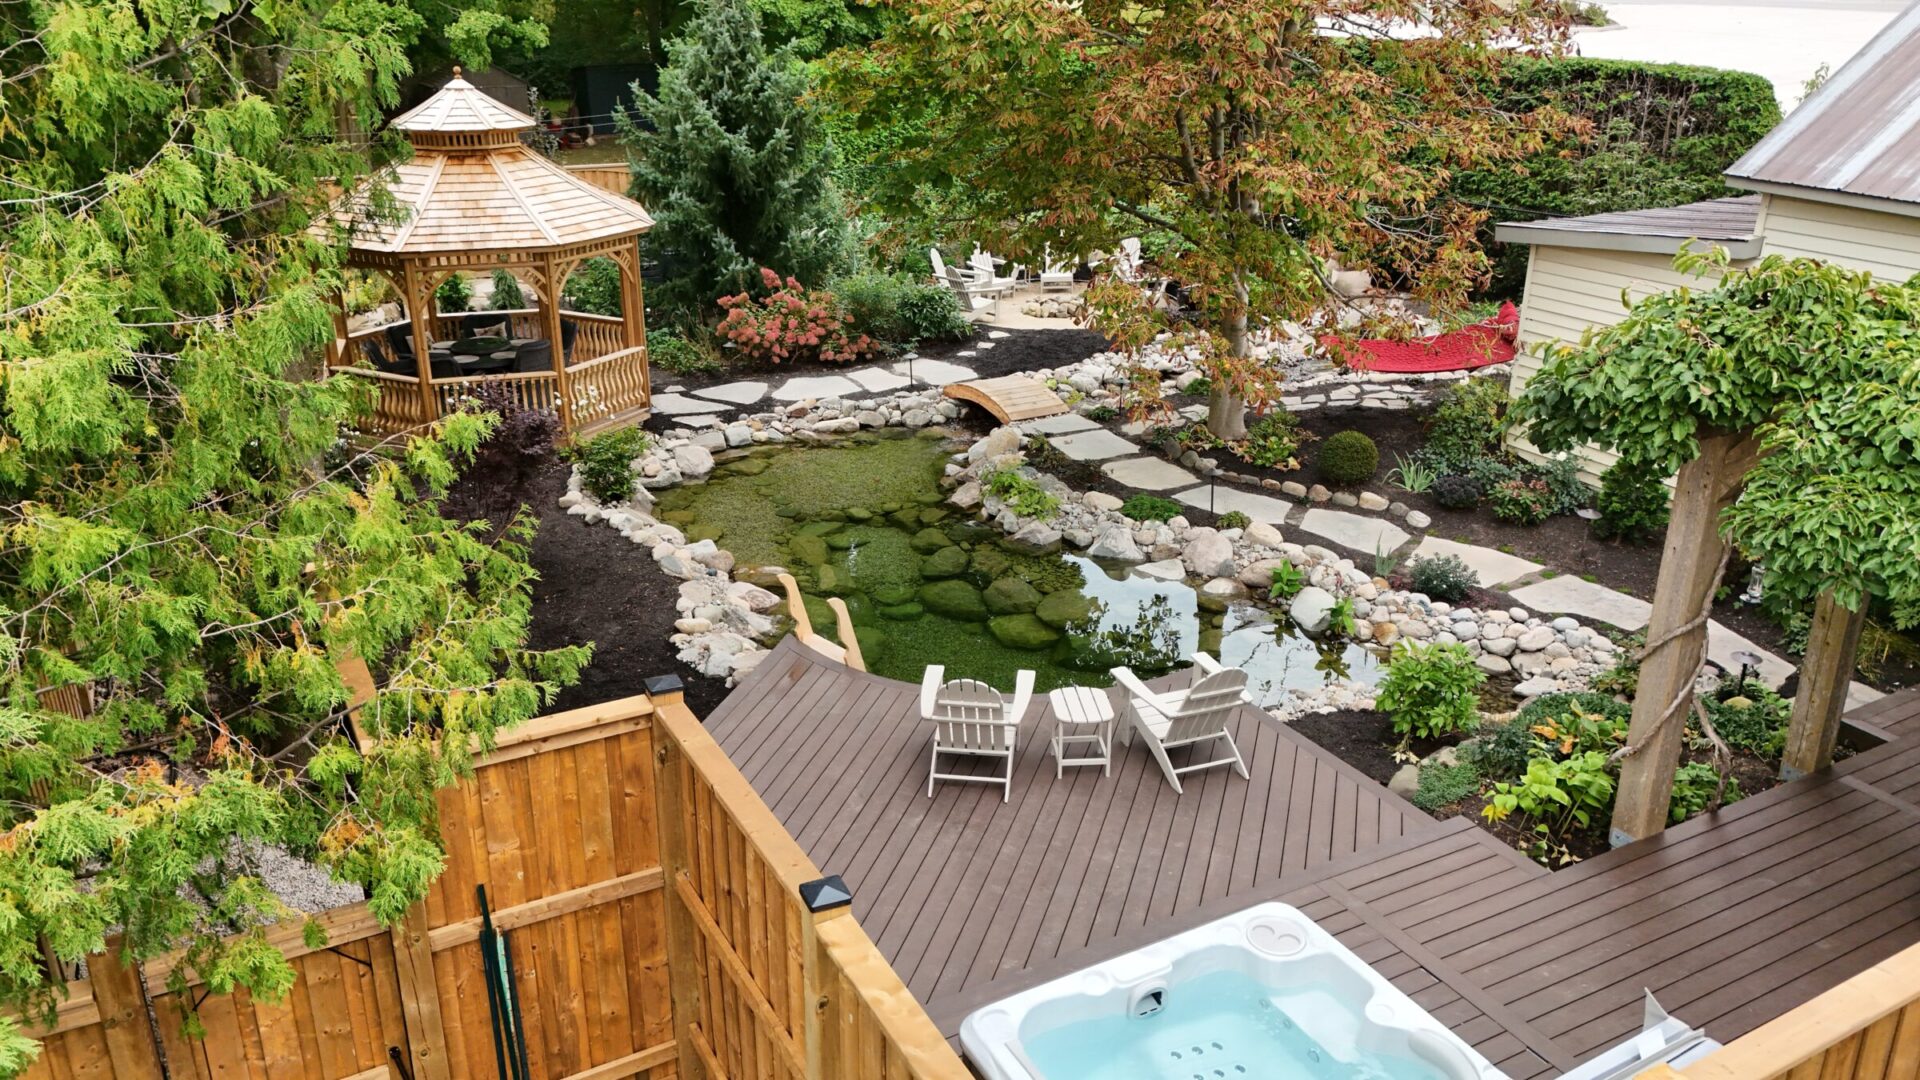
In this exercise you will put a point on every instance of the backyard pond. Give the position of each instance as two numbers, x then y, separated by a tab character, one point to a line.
865	519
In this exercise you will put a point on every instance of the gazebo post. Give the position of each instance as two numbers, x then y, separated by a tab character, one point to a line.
633	312
420	319
563	403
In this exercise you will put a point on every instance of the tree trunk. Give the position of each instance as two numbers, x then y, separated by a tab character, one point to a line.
1706	486
1227	411
1832	644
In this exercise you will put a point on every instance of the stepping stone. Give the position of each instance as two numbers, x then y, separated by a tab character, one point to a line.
934	372
996	335
740	393
1194	412
1059	425
675	404
1859	693
698	420
966	352
984	345
1148	473
1569	595
877	380
1494	567
814	386
1226	500
1722	643
1094	445
1357	531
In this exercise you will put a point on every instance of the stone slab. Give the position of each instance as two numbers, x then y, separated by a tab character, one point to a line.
1164	570
934	372
1569	595
740	393
1859	693
1722	643
1148	473
675	404
1360	532
1228	499
1058	425
1095	445
802	387
878	380
1494	567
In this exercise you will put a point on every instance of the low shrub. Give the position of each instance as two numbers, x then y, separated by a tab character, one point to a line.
1272	441
1558	796
1027	498
1750	716
1562	725
1443	577
1348	457
1500	751
1693	788
669	351
1444	785
1150	508
1562	477
792	323
521	441
1457	492
606	463
899	310
1521	502
1234	519
454	294
1466	423
1632	502
1430	690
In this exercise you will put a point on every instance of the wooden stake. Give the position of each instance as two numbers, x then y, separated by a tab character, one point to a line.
1706	486
554	273
1832	644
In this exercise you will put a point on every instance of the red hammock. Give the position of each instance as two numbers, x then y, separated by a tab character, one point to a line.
1483	343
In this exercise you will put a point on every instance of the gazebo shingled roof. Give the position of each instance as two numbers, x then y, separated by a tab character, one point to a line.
474	198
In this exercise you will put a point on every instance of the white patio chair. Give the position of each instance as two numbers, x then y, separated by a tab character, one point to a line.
941	269
972	719
1128	261
1054	275
1199	714
981	265
974	298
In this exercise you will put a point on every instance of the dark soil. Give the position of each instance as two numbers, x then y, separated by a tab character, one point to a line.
594	587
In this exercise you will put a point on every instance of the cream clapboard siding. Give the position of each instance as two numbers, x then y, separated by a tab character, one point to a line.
1569	290
1887	245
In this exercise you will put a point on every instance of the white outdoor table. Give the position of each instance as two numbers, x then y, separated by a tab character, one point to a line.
1083	717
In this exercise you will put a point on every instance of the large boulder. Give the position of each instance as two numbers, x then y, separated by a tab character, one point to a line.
1022	632
929	540
1258	575
1036	537
694	462
1263	535
999	441
1312	609
1060	609
954	599
1208	554
1115	542
810	550
1010	596
944	563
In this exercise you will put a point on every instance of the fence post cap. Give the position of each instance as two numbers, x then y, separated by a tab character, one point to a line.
825	894
664	684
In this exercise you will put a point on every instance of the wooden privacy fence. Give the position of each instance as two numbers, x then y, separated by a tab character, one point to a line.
1867	1028
711	968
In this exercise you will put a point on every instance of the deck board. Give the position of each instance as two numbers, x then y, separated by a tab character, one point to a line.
1731	919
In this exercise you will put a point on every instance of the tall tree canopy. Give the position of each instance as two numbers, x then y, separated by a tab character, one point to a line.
1260	136
187	543
726	159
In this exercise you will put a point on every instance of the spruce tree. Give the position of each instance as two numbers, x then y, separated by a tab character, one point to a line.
728	160
191	549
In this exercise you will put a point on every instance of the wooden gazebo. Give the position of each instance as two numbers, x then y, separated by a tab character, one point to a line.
475	199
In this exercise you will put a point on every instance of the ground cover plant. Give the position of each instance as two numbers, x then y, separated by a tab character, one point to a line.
1151	508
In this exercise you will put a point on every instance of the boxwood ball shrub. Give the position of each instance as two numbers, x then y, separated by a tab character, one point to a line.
1348	457
1457	492
1234	519
1431	690
1442	577
1632	502
1150	508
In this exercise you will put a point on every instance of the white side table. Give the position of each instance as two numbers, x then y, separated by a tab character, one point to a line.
1083	718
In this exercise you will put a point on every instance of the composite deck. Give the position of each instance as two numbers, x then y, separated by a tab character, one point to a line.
1730	919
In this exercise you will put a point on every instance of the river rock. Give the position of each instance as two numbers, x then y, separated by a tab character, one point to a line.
1537	638
1060	609
1162	570
1405	781
1010	596
1208	554
955	600
1536	686
1530	663
929	540
1418	520
966	496
1261	534
1100	500
694	462
1036	537
1500	646
999	441
709	554
1215	595
752	597
1115	542
1312	609
1022	632
1493	665
1258	574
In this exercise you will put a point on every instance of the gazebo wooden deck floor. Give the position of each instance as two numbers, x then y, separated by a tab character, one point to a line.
1730	920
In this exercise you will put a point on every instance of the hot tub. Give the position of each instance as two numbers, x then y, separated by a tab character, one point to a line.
1261	994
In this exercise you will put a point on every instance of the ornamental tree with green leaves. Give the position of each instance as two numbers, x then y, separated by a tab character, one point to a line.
727	161
1250	138
1786	396
191	550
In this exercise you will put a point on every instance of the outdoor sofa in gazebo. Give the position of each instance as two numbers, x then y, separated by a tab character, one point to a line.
475	199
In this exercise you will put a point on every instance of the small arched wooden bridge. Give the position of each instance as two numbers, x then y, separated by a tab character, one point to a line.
1010	398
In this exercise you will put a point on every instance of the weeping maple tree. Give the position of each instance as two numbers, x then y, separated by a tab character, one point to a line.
192	550
1252	139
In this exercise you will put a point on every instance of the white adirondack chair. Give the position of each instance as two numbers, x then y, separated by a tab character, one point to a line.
972	719
941	269
1054	275
1198	714
981	265
974	297
1128	260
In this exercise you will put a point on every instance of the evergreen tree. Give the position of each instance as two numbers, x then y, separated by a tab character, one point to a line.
189	549
727	160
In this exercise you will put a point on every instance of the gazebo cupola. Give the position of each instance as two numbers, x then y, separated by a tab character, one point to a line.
473	199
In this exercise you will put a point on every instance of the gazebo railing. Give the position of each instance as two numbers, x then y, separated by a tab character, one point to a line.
608	387
598	335
529	389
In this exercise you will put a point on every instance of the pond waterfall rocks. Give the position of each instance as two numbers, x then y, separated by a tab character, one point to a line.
874	501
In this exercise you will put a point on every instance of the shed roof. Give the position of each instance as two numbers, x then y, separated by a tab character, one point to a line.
1731	223
1856	140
